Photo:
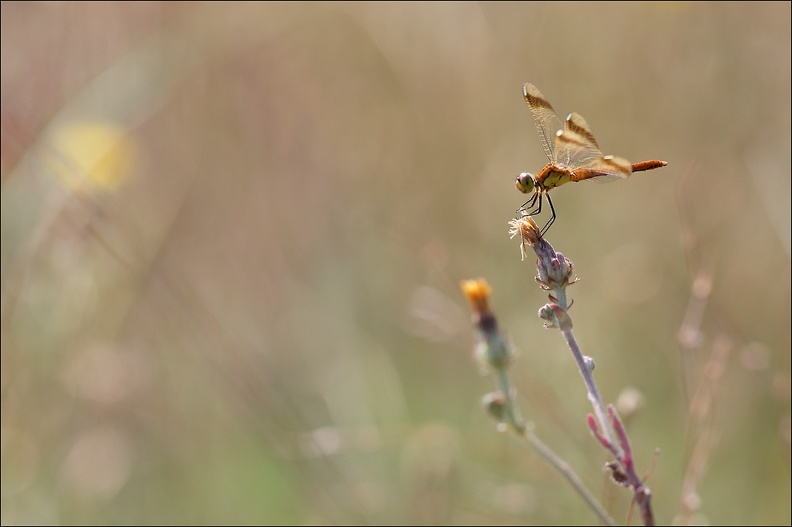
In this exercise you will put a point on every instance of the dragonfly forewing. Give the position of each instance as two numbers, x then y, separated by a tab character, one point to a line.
545	118
575	123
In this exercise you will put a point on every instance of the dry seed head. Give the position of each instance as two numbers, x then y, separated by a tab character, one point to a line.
526	228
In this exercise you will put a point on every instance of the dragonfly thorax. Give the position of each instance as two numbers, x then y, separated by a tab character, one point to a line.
525	183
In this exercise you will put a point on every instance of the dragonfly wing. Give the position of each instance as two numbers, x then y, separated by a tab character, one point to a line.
547	123
573	150
603	170
575	123
576	145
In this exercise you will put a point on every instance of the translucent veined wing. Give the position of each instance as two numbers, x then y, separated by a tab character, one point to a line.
603	170
575	146
547	123
572	150
575	123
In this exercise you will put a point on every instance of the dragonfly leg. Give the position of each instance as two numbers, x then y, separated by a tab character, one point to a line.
538	208
552	215
530	203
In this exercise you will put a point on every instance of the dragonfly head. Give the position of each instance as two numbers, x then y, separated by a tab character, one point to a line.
525	183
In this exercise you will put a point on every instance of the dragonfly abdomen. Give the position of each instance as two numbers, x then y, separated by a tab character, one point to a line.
648	165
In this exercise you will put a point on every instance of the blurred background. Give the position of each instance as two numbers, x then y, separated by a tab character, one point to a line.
233	236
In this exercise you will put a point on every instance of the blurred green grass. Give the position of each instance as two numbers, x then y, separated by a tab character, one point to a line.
262	322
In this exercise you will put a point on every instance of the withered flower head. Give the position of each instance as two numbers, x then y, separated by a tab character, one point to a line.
554	269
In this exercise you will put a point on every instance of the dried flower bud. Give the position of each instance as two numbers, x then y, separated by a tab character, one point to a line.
617	474
495	405
556	317
555	271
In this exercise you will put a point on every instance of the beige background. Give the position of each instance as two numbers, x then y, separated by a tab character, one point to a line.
249	310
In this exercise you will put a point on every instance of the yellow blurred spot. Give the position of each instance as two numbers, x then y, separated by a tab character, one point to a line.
477	293
92	156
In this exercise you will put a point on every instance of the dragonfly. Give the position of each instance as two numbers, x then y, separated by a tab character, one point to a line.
573	153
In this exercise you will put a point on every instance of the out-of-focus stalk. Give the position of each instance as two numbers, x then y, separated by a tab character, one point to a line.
494	351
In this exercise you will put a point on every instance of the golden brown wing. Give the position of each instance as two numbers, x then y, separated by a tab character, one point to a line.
603	169
575	123
547	123
572	150
576	146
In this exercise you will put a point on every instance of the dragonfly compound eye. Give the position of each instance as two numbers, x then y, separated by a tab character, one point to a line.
525	183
